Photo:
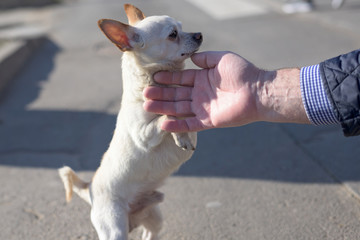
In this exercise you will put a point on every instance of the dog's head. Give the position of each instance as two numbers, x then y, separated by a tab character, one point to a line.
154	40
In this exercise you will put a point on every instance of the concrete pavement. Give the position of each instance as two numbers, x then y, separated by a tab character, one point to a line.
261	181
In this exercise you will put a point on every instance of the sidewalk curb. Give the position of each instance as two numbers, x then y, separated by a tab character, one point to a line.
13	56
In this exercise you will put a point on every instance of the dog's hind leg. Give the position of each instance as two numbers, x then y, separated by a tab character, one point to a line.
152	224
110	219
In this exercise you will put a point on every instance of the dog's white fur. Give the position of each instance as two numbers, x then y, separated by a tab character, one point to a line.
141	156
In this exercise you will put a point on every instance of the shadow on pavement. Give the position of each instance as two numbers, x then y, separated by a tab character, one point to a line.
47	138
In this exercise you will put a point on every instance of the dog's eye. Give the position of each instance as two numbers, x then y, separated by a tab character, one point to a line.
173	34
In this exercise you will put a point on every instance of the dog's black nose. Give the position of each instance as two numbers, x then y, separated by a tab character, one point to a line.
197	37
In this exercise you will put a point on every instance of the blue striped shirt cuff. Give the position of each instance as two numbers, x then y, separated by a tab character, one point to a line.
317	106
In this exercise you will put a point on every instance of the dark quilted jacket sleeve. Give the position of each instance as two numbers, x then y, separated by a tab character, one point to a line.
341	80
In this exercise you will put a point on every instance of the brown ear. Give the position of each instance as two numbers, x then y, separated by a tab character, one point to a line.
119	33
133	13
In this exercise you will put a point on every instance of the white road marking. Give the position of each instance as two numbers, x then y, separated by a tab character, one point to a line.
227	9
215	204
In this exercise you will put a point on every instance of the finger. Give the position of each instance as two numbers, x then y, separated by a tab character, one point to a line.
207	59
177	109
168	94
191	124
183	78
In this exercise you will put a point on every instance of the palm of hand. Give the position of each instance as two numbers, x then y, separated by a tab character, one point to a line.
222	95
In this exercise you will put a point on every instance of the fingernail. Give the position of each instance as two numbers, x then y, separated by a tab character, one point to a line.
144	93
145	105
156	76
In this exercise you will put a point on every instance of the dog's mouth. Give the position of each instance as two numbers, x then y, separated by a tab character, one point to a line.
189	53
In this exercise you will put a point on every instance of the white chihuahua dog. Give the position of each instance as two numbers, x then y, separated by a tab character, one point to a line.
122	193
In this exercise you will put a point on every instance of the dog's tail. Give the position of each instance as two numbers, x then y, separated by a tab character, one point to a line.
73	183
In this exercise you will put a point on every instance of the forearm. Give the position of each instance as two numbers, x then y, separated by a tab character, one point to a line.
279	97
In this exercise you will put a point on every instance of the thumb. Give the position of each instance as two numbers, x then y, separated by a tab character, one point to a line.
207	59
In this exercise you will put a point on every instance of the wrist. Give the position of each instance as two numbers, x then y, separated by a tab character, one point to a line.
279	96
264	91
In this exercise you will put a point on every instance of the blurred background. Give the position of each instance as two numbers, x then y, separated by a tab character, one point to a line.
60	82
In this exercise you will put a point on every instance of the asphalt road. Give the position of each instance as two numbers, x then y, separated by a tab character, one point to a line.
260	181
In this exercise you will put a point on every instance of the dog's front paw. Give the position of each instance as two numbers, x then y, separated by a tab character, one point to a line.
183	141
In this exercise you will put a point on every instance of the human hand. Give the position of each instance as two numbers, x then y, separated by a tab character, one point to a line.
221	94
